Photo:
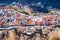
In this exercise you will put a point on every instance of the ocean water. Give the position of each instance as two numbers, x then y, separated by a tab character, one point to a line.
36	5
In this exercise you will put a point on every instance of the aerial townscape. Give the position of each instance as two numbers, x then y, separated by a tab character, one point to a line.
22	23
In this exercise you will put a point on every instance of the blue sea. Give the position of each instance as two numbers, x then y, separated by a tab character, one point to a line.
36	5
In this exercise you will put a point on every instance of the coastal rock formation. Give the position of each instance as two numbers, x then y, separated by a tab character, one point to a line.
54	35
